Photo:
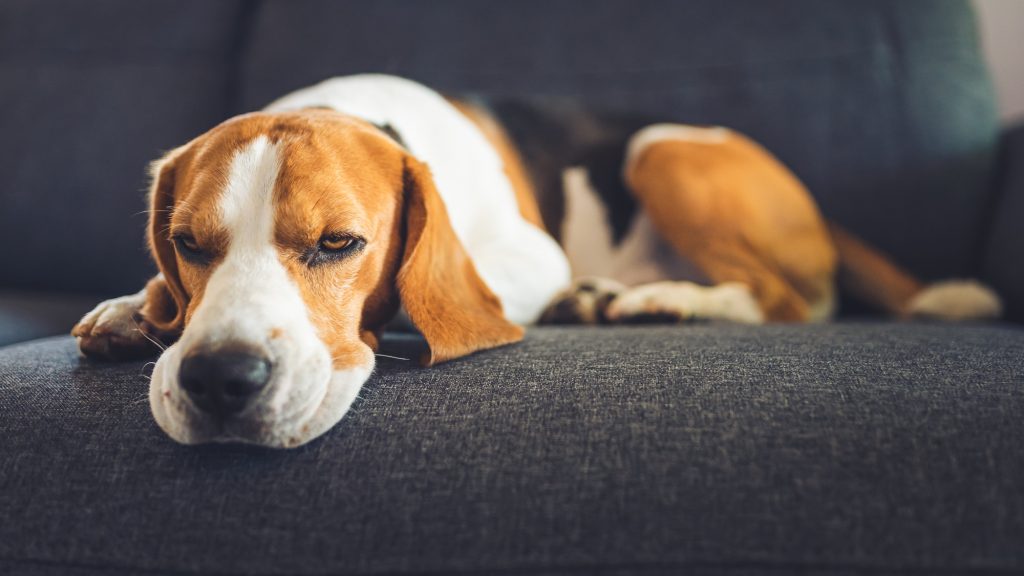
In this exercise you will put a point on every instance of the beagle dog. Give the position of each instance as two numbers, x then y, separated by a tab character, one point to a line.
287	239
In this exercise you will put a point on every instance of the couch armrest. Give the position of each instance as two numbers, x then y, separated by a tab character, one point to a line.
1004	254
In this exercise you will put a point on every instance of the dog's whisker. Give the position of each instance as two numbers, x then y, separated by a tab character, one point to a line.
390	356
155	342
151	211
138	400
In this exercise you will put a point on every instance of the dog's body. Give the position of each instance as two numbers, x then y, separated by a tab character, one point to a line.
288	239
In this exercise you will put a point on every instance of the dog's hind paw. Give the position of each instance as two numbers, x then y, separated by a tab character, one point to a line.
674	302
114	330
585	301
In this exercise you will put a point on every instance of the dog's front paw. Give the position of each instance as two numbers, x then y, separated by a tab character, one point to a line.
584	302
113	330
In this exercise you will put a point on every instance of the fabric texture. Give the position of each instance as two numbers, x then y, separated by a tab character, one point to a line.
706	449
29	316
91	92
1004	260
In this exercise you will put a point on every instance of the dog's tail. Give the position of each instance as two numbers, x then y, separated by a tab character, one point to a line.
870	276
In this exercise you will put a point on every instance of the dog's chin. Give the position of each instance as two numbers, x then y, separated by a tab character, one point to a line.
298	407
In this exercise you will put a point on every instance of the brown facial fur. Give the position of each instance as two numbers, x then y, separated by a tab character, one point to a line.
341	176
338	175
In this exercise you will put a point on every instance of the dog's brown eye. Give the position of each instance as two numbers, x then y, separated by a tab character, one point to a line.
336	243
189	249
188	243
334	247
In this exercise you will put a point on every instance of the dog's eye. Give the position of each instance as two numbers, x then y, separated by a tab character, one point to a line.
336	243
334	247
189	248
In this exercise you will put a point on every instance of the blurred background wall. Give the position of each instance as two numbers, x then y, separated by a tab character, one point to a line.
1001	24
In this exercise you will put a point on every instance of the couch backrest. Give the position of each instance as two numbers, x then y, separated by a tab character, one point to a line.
90	92
883	108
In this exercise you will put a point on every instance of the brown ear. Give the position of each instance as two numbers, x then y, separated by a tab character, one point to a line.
165	297
438	284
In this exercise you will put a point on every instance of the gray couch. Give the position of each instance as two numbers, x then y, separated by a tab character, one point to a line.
861	447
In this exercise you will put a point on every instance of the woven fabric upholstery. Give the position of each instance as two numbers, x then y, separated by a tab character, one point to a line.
1005	246
91	93
843	449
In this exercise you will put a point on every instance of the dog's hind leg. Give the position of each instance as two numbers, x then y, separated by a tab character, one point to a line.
725	204
742	289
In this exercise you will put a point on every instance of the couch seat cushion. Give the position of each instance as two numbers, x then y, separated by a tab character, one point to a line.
707	449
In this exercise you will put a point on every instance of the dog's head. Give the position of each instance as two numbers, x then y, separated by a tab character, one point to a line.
286	242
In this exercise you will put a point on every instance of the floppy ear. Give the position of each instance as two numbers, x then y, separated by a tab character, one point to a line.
437	282
166	300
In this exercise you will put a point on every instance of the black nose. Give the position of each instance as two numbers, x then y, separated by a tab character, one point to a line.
223	382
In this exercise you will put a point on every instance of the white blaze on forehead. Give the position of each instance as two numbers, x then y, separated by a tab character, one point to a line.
247	204
250	291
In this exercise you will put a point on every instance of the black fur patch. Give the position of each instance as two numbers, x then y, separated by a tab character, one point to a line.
391	133
555	133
